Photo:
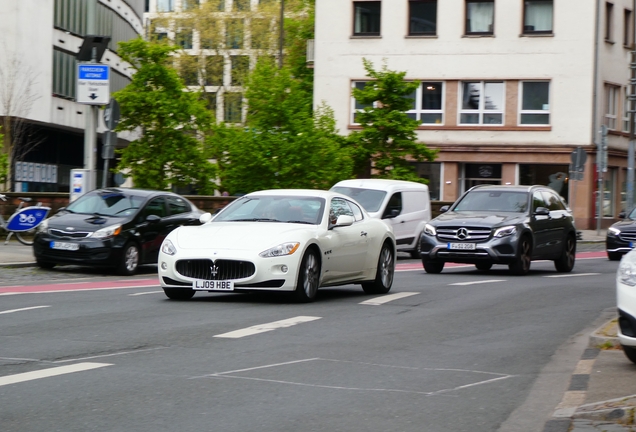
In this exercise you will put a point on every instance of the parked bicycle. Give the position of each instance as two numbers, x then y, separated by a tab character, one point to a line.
24	221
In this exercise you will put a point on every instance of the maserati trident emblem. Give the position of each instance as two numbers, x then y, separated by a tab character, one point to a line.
214	270
462	233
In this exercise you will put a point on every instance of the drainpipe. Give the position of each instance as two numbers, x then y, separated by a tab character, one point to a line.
595	114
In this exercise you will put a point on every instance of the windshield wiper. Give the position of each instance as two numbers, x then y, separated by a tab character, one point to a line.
253	220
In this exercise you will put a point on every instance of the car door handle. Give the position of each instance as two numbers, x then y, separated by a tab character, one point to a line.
362	233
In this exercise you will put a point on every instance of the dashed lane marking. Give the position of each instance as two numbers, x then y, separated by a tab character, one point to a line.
262	328
51	372
479	282
144	293
387	298
22	309
572	275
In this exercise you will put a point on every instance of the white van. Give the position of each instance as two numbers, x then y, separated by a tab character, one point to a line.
404	205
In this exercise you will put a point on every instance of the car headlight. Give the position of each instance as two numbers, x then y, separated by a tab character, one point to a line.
44	226
430	230
627	270
505	231
106	232
168	248
280	250
613	232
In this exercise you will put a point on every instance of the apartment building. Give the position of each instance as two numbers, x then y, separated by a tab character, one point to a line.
508	88
40	42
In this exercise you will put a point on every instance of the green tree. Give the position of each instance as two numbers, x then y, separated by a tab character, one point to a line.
169	152
387	143
283	144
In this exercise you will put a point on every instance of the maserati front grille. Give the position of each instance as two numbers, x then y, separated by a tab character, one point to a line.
207	269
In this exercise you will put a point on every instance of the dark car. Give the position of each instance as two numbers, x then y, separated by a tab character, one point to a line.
621	237
510	225
120	228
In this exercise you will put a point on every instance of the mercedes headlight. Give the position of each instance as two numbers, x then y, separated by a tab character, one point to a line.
280	250
505	231
168	248
613	232
430	230
107	232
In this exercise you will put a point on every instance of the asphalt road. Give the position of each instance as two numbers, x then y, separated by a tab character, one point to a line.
459	351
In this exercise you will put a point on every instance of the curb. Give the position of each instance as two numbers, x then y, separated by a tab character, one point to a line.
17	265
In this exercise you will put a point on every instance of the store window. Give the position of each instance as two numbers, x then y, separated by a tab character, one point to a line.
431	171
608	200
481	173
554	176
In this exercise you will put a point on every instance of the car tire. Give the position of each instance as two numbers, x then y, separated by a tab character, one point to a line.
308	277
415	253
44	264
565	263
179	293
630	352
383	274
614	256
483	266
521	265
129	261
433	267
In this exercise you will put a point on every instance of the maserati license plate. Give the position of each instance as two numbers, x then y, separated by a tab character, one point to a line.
461	246
209	285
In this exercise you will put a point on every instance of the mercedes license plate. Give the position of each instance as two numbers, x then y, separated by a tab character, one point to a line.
461	246
64	246
213	285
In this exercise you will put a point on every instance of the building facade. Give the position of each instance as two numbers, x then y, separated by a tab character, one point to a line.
509	89
38	77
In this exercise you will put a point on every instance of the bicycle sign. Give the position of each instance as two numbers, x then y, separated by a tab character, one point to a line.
27	218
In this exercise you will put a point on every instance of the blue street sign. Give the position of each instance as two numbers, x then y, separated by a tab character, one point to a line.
93	72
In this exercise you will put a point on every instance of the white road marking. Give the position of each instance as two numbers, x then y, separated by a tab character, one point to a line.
479	282
573	275
387	298
261	328
144	293
51	372
23	309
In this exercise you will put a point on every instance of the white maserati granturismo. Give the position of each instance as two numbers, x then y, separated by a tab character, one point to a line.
292	240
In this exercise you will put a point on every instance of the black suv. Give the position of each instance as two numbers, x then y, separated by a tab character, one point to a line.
509	225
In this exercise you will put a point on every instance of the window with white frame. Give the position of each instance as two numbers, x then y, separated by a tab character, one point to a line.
611	105
427	102
626	108
535	103
422	17
482	102
480	17
537	16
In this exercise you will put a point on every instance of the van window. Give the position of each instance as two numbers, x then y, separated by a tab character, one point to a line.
415	201
370	199
394	206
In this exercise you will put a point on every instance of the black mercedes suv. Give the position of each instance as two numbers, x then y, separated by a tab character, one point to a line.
510	225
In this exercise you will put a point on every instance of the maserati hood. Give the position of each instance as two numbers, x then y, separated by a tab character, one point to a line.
239	235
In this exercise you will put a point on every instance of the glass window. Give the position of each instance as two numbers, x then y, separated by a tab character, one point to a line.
190	4
552	201
537	16
240	69
367	18
422	17
628	24
233	103
553	176
480	17
609	21
611	105
177	205
241	5
338	207
211	101
165	5
537	201
155	207
214	70
626	108
431	171
183	38
535	103
234	34
394	206
482	103
188	70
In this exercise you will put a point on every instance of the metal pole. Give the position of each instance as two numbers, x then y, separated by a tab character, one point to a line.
595	128
632	115
281	38
90	132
